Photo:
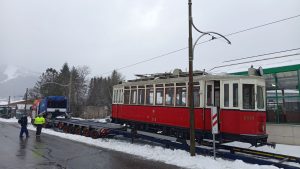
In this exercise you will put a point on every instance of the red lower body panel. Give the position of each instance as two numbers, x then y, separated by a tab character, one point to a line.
230	121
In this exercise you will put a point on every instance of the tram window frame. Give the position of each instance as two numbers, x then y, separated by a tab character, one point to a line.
126	96
113	99
209	93
116	96
196	94
141	96
249	97
169	87
226	97
260	99
159	90
133	95
149	90
235	95
181	98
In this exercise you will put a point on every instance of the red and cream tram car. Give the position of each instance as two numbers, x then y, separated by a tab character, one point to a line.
158	103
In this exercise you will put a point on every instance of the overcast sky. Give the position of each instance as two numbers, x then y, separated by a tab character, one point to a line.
107	35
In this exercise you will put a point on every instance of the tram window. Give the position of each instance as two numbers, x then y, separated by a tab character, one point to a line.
209	95
248	96
196	96
133	96
116	96
226	95
235	95
126	96
120	96
260	97
149	95
181	96
169	96
159	96
180	84
141	96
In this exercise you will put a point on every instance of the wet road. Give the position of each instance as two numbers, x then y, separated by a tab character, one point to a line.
50	152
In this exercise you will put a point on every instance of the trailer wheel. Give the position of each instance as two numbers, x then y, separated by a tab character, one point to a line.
66	129
60	125
94	134
86	132
103	132
71	129
78	131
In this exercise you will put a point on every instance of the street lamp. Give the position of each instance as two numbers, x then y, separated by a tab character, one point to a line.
190	87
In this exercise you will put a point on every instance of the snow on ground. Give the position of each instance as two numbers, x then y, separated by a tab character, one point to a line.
175	157
3	102
95	120
11	120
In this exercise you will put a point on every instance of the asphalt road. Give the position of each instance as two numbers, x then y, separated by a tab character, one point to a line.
50	152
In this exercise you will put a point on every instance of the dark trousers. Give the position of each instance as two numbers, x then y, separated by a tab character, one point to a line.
24	130
38	129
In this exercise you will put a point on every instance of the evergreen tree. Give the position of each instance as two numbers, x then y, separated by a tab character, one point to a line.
64	78
46	84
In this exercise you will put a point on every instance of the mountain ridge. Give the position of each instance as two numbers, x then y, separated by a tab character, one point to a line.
15	79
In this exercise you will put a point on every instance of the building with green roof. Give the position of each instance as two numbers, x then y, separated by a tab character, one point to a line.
283	89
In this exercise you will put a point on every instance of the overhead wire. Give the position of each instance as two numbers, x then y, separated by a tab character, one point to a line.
236	68
277	57
265	54
181	49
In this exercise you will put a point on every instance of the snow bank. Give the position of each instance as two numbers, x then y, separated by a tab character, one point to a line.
175	157
11	120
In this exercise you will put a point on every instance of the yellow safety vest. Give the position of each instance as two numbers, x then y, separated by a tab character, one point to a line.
39	120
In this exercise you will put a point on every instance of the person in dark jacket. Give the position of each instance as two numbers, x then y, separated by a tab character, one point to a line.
23	122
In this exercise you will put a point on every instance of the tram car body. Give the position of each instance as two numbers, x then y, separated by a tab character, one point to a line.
160	104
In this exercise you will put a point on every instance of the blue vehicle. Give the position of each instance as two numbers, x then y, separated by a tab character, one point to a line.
54	106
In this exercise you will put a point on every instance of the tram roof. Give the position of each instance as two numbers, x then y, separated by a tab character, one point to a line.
161	80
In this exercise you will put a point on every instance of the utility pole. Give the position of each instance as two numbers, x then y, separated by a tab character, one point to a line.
70	90
190	89
191	84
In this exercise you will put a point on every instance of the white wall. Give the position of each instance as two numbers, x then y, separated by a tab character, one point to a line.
284	133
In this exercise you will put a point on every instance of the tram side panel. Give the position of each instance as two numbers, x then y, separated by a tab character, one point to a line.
168	116
242	122
177	117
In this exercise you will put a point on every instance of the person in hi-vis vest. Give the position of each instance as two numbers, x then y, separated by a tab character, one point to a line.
39	121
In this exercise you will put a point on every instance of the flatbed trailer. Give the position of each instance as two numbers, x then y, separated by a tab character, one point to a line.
89	128
95	129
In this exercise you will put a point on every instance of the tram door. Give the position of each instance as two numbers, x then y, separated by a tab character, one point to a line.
212	100
213	93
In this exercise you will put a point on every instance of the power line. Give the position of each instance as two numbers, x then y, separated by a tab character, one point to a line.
147	60
290	60
263	25
277	57
230	34
261	55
